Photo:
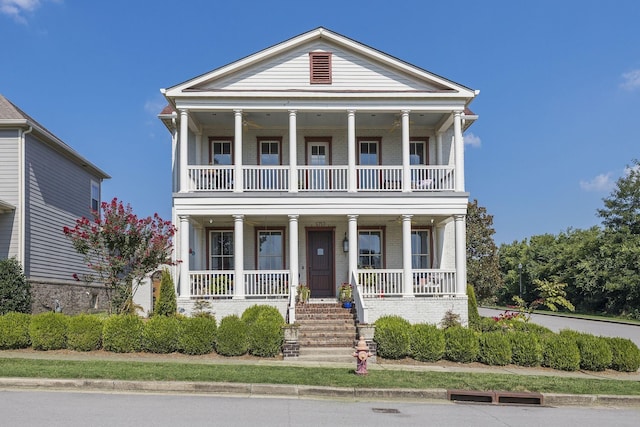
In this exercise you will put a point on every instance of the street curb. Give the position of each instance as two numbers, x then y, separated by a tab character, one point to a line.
284	390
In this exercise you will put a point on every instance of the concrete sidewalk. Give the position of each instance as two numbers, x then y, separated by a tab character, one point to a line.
300	391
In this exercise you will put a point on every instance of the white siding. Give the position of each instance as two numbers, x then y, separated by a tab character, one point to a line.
9	193
291	71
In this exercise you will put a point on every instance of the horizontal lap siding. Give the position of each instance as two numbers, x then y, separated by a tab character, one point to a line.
9	193
291	71
58	193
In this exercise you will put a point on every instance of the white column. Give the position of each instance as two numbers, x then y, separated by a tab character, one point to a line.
237	152
294	264
439	148
293	156
184	151
406	161
459	150
351	150
183	231
353	245
175	185
437	245
238	256
406	257
461	255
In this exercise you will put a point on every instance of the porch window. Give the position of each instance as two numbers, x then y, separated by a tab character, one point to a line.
221	250
270	249
420	254
370	246
418	151
270	156
220	152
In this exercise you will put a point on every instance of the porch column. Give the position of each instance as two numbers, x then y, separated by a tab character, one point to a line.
461	255
294	264
459	150
184	151
406	160
438	242
351	151
183	230
237	152
238	256
175	169
353	245
407	274
293	156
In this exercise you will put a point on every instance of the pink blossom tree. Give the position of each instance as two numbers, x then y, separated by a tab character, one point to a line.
121	249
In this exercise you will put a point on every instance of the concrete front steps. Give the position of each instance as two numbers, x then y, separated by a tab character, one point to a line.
327	331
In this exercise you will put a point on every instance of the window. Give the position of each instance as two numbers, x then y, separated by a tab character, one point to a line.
221	250
270	249
269	152
369	155
420	257
95	196
220	151
320	67
418	151
370	248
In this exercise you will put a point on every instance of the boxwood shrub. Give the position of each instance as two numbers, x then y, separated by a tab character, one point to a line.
595	353
526	349
231	337
264	330
160	334
197	335
392	337
625	355
560	351
426	342
48	331
84	332
461	344
122	333
14	330
495	349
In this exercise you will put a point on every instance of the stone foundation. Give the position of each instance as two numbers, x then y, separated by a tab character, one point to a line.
67	297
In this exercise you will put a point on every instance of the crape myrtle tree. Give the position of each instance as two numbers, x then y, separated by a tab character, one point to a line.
483	268
121	249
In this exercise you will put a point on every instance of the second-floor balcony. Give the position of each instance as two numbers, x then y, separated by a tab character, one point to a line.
335	178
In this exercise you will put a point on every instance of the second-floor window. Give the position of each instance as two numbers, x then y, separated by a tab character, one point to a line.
418	152
220	152
95	196
420	254
269	152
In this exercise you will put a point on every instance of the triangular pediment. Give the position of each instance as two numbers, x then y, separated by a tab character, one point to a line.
286	67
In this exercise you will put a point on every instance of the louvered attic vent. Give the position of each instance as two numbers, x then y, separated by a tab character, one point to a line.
320	67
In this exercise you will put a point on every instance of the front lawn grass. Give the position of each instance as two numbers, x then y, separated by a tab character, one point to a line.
334	377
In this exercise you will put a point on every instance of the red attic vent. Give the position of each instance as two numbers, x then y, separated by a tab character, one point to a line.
320	67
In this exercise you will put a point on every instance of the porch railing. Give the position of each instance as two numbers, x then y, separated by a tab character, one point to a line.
220	284
434	282
376	283
321	178
266	283
211	284
380	283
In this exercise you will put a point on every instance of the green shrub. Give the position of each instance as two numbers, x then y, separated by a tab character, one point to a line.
48	331
472	304
461	344
495	349
595	353
560	352
488	324
15	291
197	335
231	337
392	337
166	305
122	333
426	342
526	349
625	355
264	330
84	332
160	334
14	330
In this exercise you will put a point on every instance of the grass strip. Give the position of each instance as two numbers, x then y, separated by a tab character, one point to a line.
335	377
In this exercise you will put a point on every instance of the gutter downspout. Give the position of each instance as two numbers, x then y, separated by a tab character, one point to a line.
21	197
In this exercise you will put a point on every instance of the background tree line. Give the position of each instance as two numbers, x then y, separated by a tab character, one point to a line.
600	265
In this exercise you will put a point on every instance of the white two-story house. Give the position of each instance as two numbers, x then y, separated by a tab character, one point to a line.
320	161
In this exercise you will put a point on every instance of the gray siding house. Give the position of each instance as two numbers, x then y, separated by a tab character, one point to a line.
44	186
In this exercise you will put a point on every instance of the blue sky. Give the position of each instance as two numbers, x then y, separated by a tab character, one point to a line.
559	85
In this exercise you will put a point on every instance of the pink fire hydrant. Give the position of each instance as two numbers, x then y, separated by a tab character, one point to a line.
361	354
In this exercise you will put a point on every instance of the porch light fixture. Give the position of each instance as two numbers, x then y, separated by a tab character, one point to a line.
345	244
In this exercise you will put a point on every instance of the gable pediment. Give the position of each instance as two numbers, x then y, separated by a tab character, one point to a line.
286	67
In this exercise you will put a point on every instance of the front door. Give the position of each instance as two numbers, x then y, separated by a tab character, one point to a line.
320	262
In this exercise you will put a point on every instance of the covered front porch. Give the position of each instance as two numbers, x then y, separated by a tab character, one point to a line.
233	261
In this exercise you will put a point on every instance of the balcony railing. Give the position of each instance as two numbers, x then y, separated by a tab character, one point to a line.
321	178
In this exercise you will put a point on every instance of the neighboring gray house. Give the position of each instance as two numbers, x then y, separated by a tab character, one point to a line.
44	186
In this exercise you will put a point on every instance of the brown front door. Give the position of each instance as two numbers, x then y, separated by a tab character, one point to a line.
320	263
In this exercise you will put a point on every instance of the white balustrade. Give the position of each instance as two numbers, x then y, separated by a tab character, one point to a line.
210	178
323	178
211	284
266	283
434	282
266	178
380	283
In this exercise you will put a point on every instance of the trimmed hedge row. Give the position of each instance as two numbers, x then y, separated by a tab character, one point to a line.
520	343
